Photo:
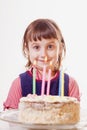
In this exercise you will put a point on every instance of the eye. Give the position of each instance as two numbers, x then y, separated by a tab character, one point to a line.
50	47
36	47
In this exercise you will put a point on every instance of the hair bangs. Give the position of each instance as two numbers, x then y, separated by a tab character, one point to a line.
42	30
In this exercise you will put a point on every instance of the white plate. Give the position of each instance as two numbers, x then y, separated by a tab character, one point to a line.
11	116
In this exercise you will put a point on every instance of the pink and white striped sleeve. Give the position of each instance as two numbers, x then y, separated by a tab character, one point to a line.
74	89
14	95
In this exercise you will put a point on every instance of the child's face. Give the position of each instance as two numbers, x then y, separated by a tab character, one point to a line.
38	50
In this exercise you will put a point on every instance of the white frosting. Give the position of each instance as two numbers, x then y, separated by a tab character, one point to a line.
49	98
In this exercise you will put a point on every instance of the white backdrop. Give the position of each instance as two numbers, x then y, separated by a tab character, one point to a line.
15	15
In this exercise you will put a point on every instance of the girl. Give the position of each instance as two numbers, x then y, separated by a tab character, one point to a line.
42	39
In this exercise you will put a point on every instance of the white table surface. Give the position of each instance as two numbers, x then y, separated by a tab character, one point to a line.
8	126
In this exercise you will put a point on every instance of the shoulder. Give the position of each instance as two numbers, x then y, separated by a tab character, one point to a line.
16	81
73	82
15	88
16	84
74	88
25	74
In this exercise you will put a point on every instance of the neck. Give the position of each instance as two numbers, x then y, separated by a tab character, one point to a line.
40	74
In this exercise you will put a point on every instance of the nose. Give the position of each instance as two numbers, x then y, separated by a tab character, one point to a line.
43	52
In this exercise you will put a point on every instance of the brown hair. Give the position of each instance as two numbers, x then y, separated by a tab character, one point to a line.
43	28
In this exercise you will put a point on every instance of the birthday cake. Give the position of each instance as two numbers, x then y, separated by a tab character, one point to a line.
49	110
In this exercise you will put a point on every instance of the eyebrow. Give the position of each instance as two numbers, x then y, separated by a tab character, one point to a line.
39	42
35	43
51	42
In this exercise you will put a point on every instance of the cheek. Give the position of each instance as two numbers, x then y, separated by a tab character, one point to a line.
32	56
54	54
55	58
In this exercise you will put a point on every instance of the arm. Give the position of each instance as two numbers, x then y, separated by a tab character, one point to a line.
74	89
14	95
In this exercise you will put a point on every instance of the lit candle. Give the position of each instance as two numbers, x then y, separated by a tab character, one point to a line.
62	89
34	78
43	78
49	78
60	82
